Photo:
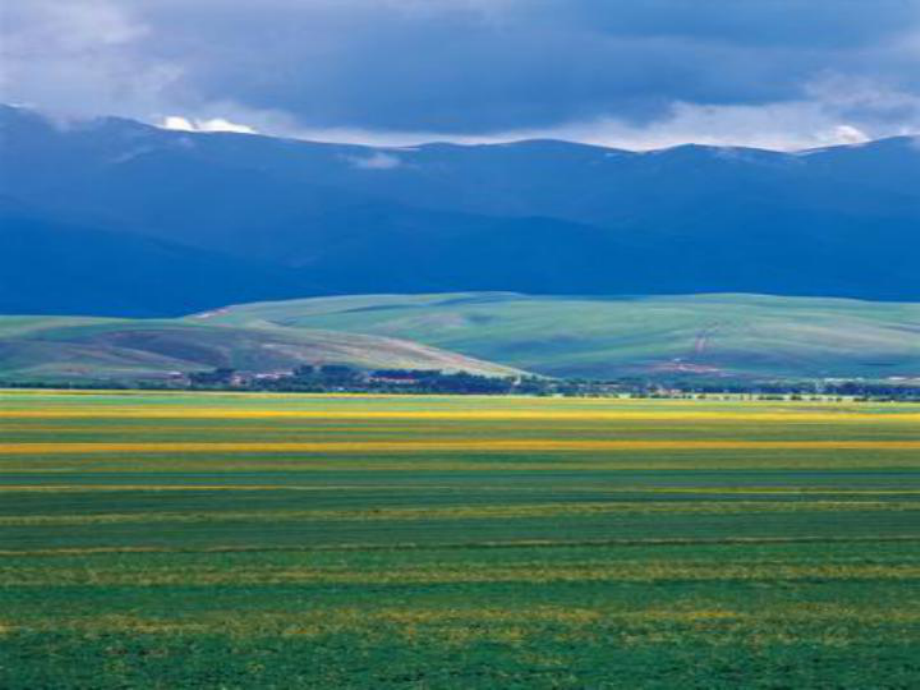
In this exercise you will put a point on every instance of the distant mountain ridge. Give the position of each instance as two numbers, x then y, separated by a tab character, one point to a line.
49	266
276	218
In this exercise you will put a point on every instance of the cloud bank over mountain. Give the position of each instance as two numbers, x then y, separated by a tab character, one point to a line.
636	74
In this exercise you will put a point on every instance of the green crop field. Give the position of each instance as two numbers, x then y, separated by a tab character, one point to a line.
177	540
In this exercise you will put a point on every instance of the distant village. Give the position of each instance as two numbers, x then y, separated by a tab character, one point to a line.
341	378
336	378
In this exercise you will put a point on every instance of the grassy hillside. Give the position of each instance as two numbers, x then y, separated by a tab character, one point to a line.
596	336
65	348
51	266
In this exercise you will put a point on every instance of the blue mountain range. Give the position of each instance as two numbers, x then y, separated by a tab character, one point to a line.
115	217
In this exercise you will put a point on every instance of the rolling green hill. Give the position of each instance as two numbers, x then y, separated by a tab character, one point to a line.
81	349
702	335
710	336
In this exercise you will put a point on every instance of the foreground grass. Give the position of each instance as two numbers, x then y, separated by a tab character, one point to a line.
468	543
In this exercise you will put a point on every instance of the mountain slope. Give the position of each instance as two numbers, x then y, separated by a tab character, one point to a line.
712	335
74	349
49	267
539	216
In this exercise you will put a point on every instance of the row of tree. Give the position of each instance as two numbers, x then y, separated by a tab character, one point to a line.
339	378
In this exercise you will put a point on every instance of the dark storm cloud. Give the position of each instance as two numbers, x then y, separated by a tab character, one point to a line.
469	67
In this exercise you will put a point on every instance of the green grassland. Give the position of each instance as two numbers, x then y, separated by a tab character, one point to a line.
237	541
36	349
717	337
742	335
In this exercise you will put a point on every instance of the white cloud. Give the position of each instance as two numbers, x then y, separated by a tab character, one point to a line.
218	124
781	126
81	57
833	111
216	62
847	134
379	161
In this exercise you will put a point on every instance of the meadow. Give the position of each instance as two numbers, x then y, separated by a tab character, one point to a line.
221	540
609	337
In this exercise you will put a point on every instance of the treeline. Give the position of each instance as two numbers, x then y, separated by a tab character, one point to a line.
339	378
800	390
334	378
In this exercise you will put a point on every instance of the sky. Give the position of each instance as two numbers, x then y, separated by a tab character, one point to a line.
639	74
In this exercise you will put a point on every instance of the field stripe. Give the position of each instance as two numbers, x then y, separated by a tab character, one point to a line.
506	544
490	445
728	491
462	513
177	413
622	571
